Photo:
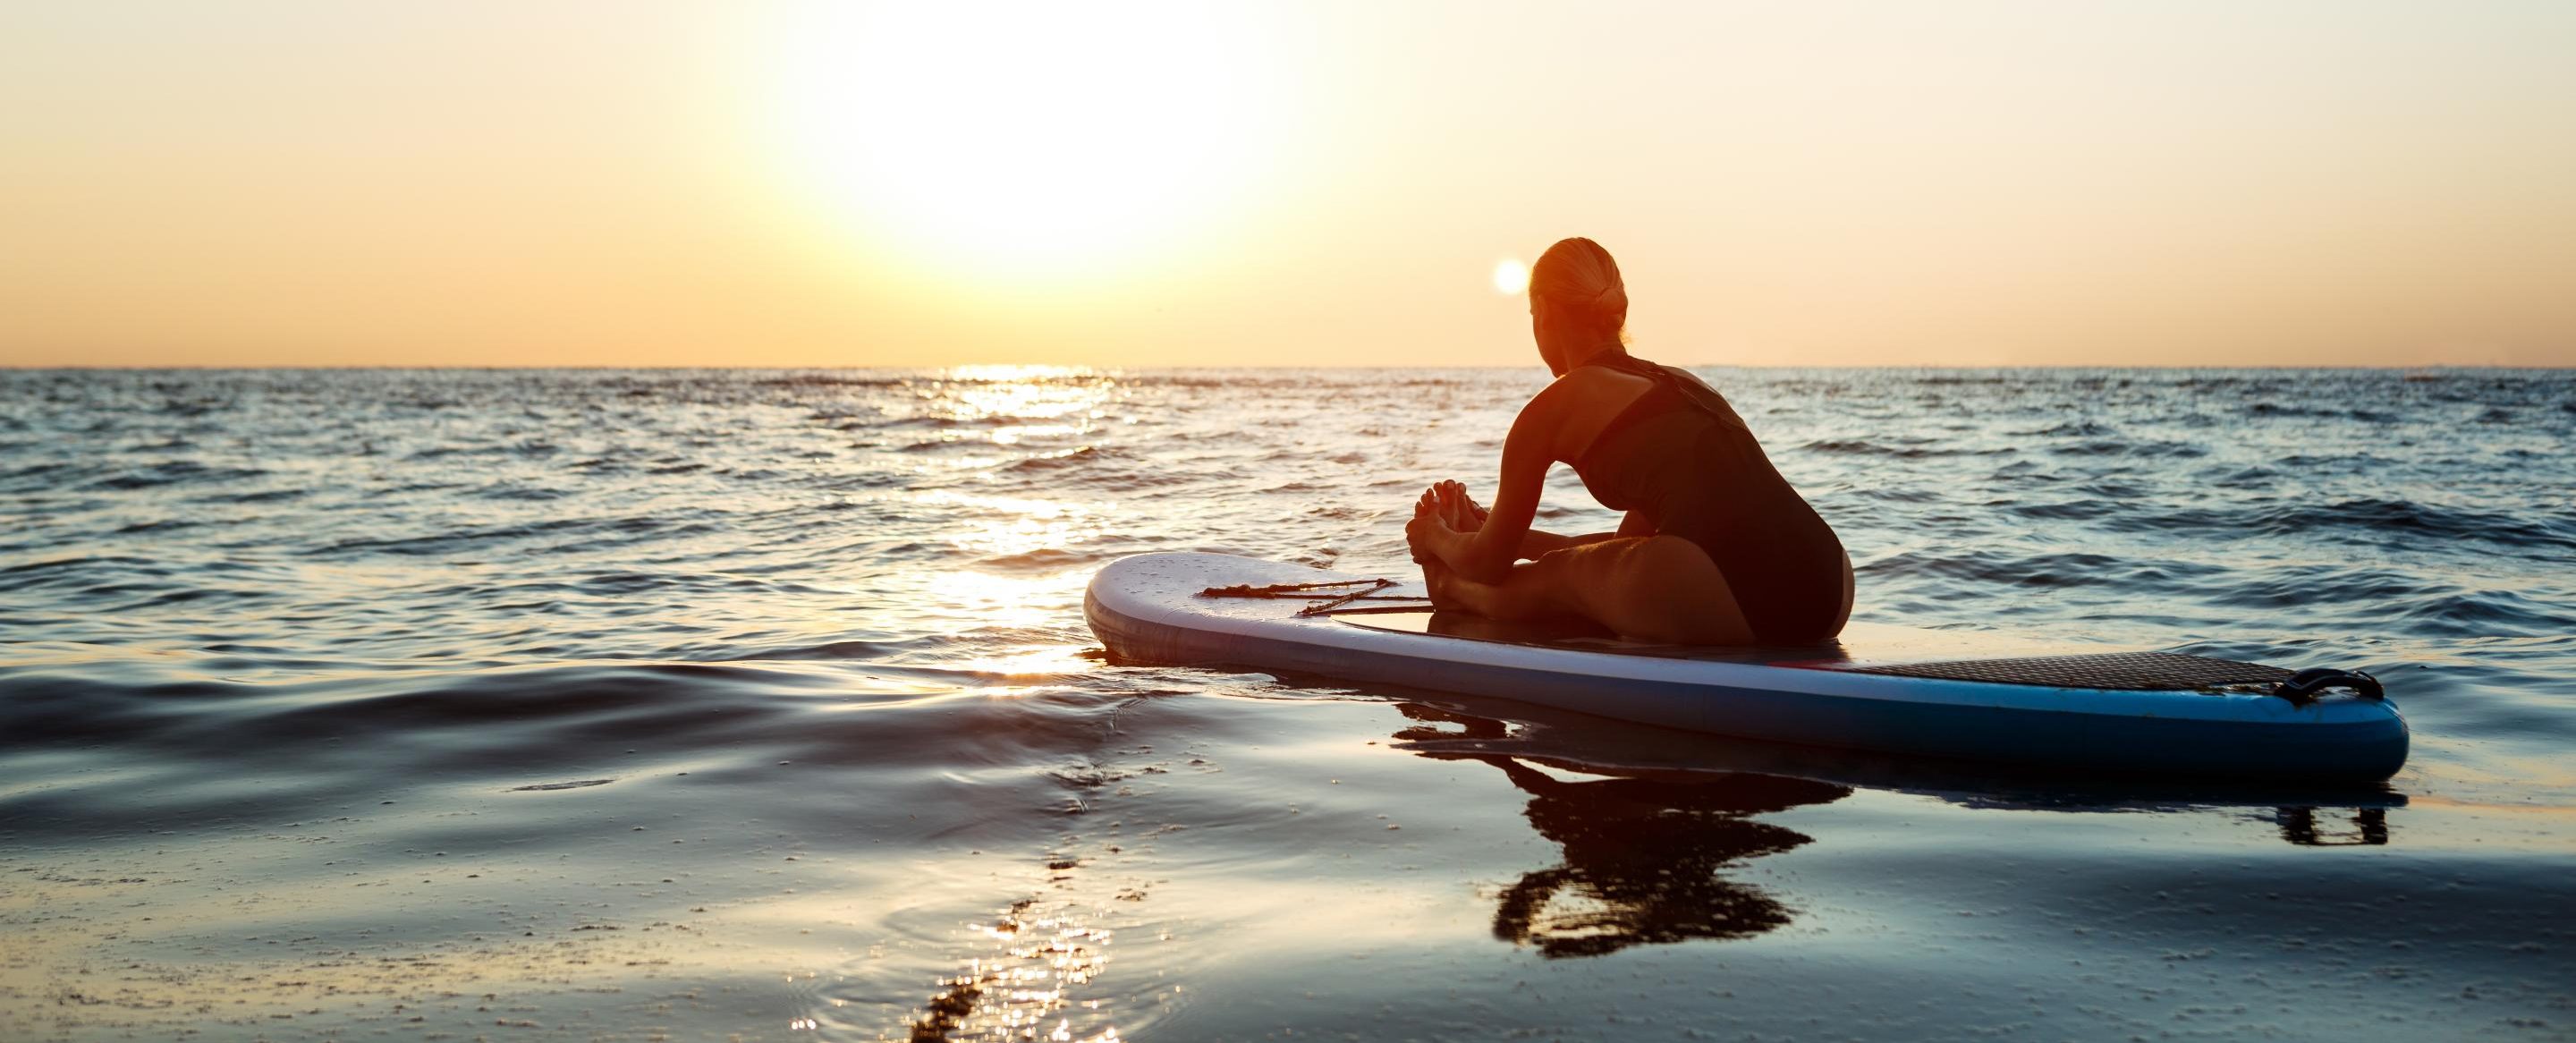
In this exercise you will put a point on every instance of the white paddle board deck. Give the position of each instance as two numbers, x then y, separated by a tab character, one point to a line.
1889	689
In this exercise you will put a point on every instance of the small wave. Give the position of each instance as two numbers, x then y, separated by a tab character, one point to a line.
1050	559
2488	613
2268	409
2368	517
849	649
155	525
863	481
2095	448
989	421
2175	450
448	542
513	491
2075	429
2074	569
1860	447
822	380
176	472
1076	458
53	470
442	452
2246	478
2071	510
1084	466
262	496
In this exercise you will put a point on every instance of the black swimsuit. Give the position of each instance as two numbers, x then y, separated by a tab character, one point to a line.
1680	456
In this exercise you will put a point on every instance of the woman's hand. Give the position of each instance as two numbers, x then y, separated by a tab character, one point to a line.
1460	510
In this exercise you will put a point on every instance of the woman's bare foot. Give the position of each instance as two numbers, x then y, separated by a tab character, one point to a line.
1428	521
1441	582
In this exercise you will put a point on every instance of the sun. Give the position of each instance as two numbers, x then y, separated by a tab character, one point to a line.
1004	135
1510	276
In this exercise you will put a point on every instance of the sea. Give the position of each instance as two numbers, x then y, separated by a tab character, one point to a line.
497	705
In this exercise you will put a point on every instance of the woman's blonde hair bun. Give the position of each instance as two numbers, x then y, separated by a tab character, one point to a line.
1578	276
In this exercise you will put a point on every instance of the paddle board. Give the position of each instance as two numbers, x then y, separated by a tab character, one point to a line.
1989	698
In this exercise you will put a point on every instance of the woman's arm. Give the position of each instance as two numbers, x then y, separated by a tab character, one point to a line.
1486	554
1464	514
1535	543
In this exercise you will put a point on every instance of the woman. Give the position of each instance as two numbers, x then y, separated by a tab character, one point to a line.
1716	548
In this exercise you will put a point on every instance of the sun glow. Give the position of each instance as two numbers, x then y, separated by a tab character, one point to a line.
1026	135
1510	276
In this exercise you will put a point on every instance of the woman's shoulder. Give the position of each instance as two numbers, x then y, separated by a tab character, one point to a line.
1570	412
1582	387
1613	387
1595	378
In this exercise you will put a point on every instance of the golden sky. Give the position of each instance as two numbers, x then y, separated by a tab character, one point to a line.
624	183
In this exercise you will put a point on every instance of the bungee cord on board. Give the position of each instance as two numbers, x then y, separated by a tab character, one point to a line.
1328	598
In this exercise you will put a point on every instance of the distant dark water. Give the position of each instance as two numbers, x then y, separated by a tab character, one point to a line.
574	704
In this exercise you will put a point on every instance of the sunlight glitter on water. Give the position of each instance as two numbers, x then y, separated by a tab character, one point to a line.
1009	600
987	393
699	703
1015	529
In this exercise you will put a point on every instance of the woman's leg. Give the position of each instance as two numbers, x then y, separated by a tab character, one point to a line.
1647	588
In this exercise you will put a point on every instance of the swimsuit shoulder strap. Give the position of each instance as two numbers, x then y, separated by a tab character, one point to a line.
1692	389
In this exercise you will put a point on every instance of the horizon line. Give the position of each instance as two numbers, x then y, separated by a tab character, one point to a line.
2413	368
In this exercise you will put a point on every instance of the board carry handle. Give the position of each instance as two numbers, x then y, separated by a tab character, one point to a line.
2301	688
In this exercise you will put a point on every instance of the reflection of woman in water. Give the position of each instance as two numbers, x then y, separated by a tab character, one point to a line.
1641	854
1642	858
1716	548
2299	826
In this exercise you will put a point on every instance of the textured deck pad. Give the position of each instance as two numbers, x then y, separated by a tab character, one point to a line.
1876	651
1861	644
2114	671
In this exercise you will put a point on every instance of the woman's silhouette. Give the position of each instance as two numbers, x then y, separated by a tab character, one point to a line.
1716	547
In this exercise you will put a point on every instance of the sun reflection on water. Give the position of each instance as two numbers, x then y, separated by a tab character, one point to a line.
1022	532
1009	602
970	394
1012	995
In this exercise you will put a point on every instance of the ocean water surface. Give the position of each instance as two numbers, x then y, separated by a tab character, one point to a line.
518	705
